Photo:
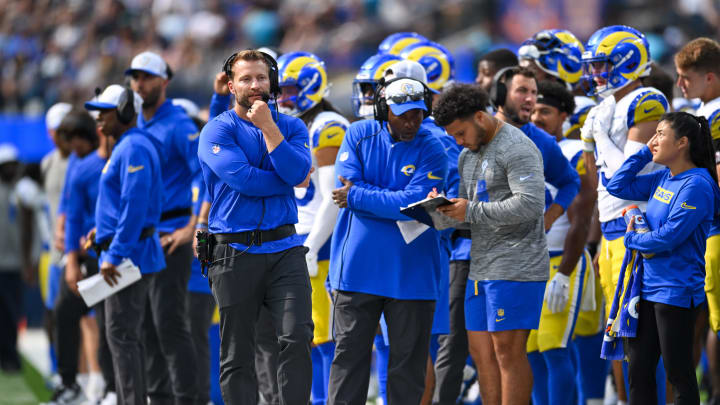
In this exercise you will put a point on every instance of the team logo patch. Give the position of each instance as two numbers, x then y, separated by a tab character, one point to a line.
216	149
483	166
686	206
408	170
193	136
662	195
406	88
133	169
344	156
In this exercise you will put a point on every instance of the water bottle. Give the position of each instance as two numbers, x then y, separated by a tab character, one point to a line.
640	225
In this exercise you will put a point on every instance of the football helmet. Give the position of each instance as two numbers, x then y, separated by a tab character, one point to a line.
614	57
556	52
306	72
438	62
396	43
366	81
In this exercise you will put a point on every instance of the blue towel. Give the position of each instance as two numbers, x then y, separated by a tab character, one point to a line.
623	317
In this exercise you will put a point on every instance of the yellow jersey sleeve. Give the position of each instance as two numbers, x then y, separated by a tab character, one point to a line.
647	106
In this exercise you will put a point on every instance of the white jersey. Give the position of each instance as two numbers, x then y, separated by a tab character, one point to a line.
574	122
572	150
711	111
327	130
641	105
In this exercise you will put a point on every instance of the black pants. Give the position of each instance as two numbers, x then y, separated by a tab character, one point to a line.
266	358
169	351
69	308
356	317
453	350
200	311
124	313
667	330
242	284
11	287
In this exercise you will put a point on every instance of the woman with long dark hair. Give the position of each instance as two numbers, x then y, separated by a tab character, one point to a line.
683	203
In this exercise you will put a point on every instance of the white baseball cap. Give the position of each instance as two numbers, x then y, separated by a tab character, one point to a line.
55	115
404	95
407	68
190	108
149	62
8	153
110	98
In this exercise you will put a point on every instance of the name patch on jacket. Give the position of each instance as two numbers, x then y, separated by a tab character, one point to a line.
663	195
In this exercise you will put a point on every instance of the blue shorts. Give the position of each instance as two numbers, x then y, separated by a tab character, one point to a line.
498	305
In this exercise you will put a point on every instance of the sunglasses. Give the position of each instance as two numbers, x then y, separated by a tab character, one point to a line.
402	98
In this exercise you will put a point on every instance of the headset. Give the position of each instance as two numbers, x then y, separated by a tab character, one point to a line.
125	109
380	105
272	70
498	89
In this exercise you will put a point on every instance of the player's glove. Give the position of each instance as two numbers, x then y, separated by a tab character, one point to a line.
557	292
312	264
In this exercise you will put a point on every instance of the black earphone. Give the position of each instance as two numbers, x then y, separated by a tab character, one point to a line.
380	105
126	106
498	89
125	109
272	70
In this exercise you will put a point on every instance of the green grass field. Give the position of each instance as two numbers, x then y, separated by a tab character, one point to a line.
25	388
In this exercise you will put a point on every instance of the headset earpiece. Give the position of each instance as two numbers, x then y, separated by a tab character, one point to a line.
126	107
498	89
272	70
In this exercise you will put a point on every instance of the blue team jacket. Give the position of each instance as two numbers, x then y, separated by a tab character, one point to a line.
368	253
558	171
680	211
65	194
82	185
178	135
248	187
129	200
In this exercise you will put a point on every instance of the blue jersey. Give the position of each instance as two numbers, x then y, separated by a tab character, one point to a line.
368	253
558	171
65	195
178	135
130	201
680	211
219	104
83	186
249	187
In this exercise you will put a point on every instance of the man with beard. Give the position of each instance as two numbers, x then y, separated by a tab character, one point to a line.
251	157
514	94
500	200
168	342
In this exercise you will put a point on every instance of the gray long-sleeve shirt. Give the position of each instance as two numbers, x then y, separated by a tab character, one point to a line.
505	186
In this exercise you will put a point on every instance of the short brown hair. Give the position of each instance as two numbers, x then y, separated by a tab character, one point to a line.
246	55
700	54
508	75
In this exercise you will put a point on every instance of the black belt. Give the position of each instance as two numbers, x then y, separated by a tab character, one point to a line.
460	233
258	237
178	212
105	245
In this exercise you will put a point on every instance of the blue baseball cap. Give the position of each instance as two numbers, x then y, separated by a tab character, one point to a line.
404	95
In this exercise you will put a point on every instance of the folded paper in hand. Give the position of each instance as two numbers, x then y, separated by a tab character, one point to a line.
421	209
95	289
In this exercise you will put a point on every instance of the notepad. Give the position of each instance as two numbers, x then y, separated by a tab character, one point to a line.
95	289
420	210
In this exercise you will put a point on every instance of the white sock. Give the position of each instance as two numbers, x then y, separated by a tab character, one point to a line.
82	380
621	402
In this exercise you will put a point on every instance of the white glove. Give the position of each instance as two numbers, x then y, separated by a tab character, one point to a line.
312	265
602	121
557	292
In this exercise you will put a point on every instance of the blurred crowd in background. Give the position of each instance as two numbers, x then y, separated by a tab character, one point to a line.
61	50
